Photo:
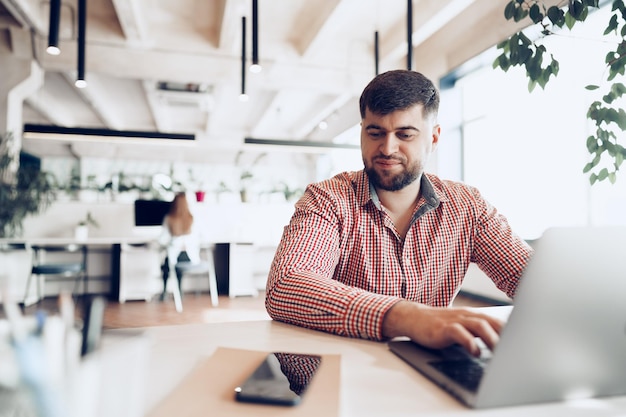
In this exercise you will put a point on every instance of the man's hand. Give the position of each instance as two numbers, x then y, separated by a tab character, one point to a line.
438	327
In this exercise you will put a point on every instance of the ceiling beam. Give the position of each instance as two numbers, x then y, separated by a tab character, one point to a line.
160	116
314	18
131	20
322	113
93	97
230	26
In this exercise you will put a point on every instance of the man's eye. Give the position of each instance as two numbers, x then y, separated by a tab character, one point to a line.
376	134
404	136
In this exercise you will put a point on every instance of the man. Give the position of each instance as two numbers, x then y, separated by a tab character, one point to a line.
382	252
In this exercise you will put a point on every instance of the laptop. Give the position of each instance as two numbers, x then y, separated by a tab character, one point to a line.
565	337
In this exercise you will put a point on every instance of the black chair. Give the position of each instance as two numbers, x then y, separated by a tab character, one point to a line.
76	266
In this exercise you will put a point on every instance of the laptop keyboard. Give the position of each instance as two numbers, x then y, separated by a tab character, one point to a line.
466	372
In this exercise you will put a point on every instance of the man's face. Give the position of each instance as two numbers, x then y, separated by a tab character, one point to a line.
397	146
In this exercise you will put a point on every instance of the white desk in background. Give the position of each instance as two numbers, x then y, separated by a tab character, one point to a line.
127	271
373	381
103	261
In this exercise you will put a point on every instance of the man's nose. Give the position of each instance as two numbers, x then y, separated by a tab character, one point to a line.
389	145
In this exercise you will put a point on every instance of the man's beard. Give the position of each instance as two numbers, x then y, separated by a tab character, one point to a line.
393	182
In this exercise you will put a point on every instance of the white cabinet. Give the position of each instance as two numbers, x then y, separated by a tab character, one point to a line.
140	272
241	261
15	264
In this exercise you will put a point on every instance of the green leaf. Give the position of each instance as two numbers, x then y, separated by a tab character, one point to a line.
612	26
570	21
619	159
575	8
621	119
520	14
509	10
556	16
592	144
591	87
555	67
535	13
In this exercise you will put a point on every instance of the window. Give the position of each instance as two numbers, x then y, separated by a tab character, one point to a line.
526	151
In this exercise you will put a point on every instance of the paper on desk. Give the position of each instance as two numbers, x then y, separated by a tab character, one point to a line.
209	389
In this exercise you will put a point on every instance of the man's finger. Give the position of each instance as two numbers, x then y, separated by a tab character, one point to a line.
484	329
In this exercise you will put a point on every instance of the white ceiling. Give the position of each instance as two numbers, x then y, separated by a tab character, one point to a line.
316	55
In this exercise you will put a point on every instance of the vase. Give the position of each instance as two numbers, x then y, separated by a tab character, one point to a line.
81	232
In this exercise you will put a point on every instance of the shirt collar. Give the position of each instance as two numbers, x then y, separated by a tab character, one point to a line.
366	192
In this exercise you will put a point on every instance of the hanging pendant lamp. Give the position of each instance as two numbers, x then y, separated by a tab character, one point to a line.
255	67
82	25
243	96
53	27
376	55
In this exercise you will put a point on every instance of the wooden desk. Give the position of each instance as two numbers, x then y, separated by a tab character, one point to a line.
374	382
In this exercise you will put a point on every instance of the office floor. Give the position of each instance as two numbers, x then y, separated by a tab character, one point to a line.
196	309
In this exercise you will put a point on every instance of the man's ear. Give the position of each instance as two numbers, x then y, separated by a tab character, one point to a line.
435	135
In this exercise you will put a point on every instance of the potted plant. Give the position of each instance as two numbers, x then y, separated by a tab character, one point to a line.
24	189
81	232
244	178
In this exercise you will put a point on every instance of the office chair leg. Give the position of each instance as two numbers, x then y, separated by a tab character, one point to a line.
212	280
30	276
178	302
213	290
39	290
165	273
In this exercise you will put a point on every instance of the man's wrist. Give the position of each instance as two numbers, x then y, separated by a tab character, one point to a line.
397	318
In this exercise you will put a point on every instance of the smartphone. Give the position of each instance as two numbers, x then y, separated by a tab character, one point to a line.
282	379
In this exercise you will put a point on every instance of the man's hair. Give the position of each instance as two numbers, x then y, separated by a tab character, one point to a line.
399	90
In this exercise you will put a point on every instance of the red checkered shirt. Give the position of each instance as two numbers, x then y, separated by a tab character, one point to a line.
341	264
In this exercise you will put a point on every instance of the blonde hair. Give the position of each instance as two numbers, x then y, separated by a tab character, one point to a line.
179	218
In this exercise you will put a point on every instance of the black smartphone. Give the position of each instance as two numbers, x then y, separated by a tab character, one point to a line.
282	379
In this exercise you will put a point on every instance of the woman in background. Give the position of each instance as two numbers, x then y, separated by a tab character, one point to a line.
179	238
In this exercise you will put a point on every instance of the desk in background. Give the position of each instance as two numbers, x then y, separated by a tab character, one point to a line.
113	259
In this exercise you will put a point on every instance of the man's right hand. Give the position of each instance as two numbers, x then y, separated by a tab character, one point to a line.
439	327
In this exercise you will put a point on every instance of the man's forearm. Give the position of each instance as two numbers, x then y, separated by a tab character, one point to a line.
325	304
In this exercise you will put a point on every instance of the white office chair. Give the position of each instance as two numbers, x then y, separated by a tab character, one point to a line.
206	266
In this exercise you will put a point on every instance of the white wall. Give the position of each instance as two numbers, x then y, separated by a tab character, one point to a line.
259	223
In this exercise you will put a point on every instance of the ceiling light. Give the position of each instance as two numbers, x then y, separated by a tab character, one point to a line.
255	67
243	96
323	125
53	27
376	53
82	23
